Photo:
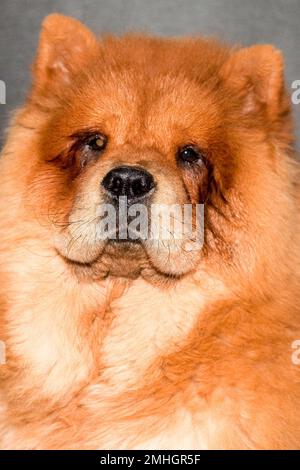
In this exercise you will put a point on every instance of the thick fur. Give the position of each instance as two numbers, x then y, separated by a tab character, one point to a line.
133	348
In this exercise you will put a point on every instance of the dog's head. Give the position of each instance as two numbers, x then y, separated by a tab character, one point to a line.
170	132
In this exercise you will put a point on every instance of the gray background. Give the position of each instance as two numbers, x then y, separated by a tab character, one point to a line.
237	21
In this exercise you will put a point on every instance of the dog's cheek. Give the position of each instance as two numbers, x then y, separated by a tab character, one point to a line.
196	182
50	195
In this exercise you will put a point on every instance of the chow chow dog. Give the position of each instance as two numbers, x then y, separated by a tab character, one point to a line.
140	343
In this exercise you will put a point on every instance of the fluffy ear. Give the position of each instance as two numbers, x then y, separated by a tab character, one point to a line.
257	74
64	46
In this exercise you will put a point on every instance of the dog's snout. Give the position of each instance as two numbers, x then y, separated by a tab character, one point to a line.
132	182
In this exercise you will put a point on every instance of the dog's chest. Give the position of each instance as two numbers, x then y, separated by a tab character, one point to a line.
147	323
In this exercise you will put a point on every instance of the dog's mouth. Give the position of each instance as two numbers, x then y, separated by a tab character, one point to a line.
131	259
118	258
130	248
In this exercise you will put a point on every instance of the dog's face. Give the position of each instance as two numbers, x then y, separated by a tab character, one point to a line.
149	122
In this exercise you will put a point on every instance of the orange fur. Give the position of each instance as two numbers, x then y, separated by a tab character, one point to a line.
115	348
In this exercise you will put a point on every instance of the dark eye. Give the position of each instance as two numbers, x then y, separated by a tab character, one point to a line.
190	154
97	143
90	148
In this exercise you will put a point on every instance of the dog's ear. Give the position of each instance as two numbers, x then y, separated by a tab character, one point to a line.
63	48
256	73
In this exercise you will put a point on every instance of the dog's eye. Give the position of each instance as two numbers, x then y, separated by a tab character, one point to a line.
190	154
90	148
97	143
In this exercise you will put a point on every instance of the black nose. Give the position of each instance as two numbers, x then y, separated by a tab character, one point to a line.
128	181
